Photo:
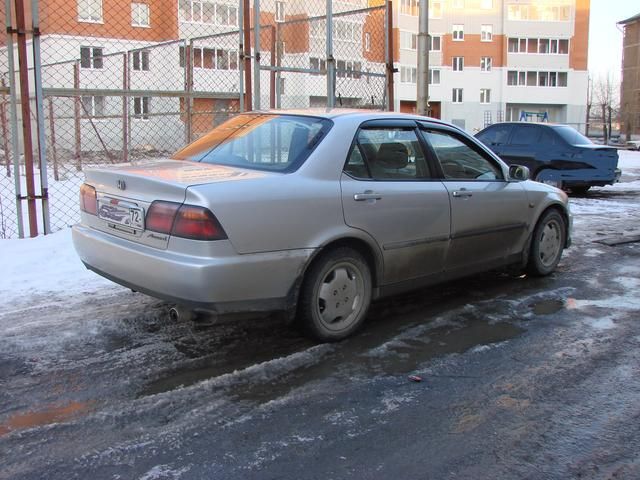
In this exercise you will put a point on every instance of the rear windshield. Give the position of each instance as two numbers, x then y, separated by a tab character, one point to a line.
259	141
572	136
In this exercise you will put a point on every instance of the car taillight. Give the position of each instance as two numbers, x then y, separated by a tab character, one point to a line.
88	199
186	221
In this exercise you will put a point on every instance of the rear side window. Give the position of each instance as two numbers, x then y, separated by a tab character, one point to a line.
459	161
387	154
259	141
495	135
525	135
572	136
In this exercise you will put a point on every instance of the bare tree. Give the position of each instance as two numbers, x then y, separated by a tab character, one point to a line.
604	97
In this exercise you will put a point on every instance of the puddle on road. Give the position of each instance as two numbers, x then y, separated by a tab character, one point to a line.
547	307
47	416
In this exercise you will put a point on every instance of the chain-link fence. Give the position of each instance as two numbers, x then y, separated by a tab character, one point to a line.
112	82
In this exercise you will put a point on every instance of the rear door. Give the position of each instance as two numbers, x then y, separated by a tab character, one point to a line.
489	214
389	191
523	147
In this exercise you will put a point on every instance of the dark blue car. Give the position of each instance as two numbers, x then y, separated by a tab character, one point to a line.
555	154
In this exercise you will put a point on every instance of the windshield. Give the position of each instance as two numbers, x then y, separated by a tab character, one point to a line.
572	136
259	141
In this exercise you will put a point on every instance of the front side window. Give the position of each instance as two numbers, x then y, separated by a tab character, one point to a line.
387	154
90	11
459	160
269	142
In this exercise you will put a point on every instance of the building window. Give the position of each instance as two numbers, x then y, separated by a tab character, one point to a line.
348	69
536	79
434	77
280	15
458	32
486	4
318	64
458	64
486	33
435	8
347	31
456	95
408	40
546	46
93	106
200	11
539	13
140	15
367	42
485	95
91	57
485	64
141	60
409	7
408	74
435	43
141	107
458	3
90	11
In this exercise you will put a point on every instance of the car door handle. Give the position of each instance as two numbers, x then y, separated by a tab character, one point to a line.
367	195
462	193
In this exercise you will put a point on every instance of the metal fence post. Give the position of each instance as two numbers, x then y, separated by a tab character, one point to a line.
331	66
272	73
241	55
42	141
5	138
256	54
246	16
390	54
26	116
13	114
76	116
54	148
125	107
188	101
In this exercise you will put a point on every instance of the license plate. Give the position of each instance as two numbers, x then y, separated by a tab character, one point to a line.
129	216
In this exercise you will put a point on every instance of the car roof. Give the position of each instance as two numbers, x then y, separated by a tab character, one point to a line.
335	113
540	124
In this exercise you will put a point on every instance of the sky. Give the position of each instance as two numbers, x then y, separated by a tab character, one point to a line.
605	37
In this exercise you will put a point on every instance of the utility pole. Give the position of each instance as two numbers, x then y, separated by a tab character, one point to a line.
422	107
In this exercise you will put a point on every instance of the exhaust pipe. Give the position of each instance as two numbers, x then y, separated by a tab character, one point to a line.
181	314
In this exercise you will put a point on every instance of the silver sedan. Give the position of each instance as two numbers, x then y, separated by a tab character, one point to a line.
316	214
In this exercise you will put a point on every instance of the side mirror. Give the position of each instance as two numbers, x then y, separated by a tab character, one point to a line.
519	172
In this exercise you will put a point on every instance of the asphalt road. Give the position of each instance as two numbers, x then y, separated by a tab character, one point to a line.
521	378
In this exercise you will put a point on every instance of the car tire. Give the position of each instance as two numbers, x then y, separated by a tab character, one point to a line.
547	243
554	183
343	278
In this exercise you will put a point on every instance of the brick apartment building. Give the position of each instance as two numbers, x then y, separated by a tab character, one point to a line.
630	91
498	60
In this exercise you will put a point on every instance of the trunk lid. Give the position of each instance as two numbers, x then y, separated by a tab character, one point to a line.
125	193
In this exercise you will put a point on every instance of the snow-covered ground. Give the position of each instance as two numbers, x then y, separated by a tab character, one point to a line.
112	380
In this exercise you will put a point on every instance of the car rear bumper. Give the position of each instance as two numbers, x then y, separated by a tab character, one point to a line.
225	283
582	177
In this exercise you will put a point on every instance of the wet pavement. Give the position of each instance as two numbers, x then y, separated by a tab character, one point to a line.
521	378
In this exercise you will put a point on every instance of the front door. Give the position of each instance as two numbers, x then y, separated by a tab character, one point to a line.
389	191
487	223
